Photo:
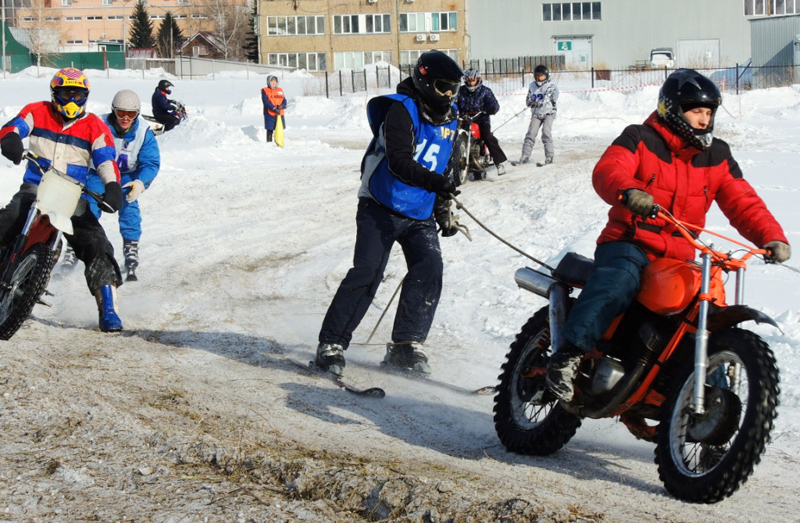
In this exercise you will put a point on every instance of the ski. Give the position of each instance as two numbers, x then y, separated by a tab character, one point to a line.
489	389
372	392
544	163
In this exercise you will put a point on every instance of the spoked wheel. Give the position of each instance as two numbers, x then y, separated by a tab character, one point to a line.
463	160
527	417
705	458
26	286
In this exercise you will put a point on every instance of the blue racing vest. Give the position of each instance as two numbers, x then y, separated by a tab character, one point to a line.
434	145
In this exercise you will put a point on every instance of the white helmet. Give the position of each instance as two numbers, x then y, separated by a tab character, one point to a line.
126	100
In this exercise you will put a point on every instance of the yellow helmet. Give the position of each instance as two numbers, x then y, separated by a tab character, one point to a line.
69	90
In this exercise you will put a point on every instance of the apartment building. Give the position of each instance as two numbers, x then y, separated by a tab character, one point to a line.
83	25
321	35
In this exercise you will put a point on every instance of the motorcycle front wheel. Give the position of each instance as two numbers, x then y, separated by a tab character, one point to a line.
706	458
463	160
27	284
527	417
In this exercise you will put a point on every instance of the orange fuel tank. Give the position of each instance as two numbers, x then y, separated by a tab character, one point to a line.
668	286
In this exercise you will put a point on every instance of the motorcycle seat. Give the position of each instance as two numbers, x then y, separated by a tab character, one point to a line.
574	269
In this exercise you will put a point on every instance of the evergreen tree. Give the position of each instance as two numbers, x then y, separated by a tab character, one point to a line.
142	28
251	39
169	37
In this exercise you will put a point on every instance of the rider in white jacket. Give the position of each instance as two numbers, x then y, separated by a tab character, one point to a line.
542	98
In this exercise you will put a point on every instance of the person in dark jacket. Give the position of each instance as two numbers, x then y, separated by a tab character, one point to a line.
674	161
163	110
405	192
477	98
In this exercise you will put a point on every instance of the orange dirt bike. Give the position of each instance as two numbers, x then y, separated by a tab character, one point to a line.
25	266
676	368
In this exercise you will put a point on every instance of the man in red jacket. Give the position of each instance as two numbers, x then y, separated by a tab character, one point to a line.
674	161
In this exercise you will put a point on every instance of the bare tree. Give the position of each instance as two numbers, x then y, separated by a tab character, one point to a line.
44	33
231	22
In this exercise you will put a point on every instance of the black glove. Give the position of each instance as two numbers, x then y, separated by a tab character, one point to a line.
12	148
444	188
448	224
112	198
638	202
781	252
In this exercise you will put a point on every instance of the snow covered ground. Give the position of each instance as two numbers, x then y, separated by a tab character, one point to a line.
193	413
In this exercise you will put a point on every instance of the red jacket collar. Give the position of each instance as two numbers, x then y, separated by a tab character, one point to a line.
675	143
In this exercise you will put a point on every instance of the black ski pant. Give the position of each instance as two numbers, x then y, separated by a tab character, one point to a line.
169	120
497	154
89	240
377	231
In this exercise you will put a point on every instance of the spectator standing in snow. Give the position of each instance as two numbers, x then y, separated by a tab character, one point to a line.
674	161
405	192
139	160
274	102
477	98
163	110
65	136
542	98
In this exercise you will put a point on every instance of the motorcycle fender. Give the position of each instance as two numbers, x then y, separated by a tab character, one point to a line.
722	317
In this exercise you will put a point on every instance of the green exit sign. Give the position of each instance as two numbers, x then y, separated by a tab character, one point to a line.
565	46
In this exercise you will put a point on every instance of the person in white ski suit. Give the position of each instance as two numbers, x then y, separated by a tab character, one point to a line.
542	98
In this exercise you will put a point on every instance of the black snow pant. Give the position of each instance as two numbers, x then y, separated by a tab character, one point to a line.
377	231
497	154
89	240
169	120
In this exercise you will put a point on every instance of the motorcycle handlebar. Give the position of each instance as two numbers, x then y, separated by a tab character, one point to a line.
685	229
34	159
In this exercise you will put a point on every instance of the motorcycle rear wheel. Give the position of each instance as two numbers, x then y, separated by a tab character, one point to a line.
705	460
527	418
27	284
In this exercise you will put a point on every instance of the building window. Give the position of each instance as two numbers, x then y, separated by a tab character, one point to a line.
52	19
424	22
771	7
107	2
199	17
94	17
28	19
179	17
358	59
362	24
295	25
66	3
410	56
157	17
114	17
571	11
307	61
74	42
72	18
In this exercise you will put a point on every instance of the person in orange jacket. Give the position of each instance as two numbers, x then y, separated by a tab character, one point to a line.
274	105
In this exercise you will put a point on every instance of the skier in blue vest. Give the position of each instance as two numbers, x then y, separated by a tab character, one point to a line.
139	160
405	192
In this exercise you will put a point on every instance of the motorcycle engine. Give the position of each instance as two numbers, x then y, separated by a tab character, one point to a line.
607	373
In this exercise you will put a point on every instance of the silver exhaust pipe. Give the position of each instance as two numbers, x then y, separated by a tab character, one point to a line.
534	281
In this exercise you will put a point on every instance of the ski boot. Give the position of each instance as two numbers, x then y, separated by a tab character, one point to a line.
130	248
330	358
106	297
407	356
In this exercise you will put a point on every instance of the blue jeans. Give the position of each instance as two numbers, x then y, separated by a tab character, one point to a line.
608	293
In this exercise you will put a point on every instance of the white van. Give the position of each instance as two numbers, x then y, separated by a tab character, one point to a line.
661	57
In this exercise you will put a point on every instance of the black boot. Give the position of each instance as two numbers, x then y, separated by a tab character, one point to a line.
330	358
562	371
407	356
